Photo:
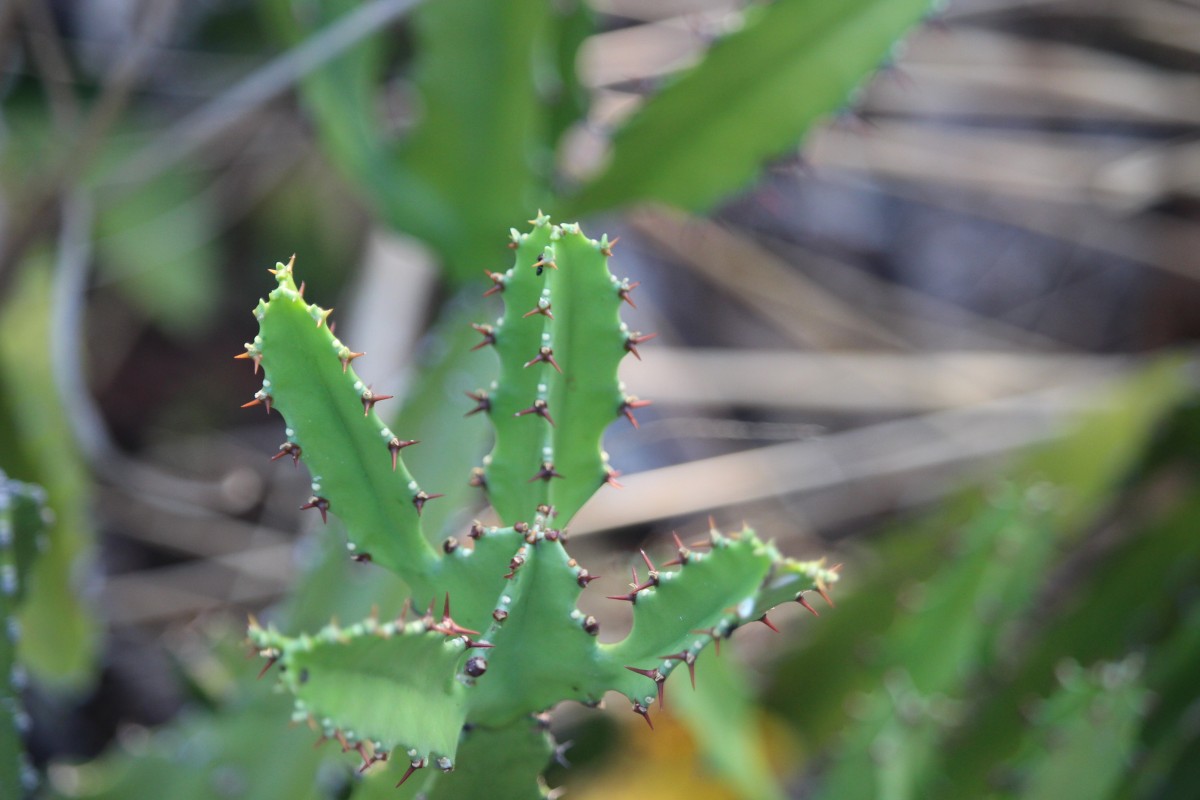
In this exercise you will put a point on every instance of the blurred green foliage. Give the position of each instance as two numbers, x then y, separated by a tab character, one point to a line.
968	614
38	447
995	647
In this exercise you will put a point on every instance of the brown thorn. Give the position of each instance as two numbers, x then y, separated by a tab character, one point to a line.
470	643
270	663
346	359
712	632
256	357
800	599
545	355
638	708
368	760
539	309
607	251
341	738
448	626
319	503
322	739
488	333
288	449
482	401
542	262
629	598
546	472
412	767
264	400
635	339
821	590
657	677
421	498
687	658
628	405
396	445
585	577
624	291
369	399
610	478
497	279
763	619
649	564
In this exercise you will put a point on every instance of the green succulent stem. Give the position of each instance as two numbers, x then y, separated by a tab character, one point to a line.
495	635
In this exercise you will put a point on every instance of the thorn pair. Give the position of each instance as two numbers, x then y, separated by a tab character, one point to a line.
255	357
288	449
545	356
688	658
482	402
319	503
487	332
395	445
635	339
659	682
546	472
369	399
543	308
539	408
610	478
448	626
624	291
627	407
684	554
497	279
260	398
421	498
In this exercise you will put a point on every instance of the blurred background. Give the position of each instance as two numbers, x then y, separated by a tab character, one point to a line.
935	324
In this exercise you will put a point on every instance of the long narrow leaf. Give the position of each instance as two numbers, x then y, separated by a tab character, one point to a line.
752	98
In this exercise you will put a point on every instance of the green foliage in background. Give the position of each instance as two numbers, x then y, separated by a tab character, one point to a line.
481	147
990	605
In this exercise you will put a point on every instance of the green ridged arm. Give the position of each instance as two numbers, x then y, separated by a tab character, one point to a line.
353	458
559	342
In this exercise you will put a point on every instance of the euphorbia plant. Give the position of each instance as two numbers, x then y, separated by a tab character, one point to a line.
497	638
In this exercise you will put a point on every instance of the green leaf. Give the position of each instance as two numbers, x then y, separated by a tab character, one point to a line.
156	247
480	147
480	139
246	750
752	98
723	718
61	635
1084	736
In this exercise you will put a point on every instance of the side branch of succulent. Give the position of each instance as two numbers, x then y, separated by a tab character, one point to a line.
462	664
